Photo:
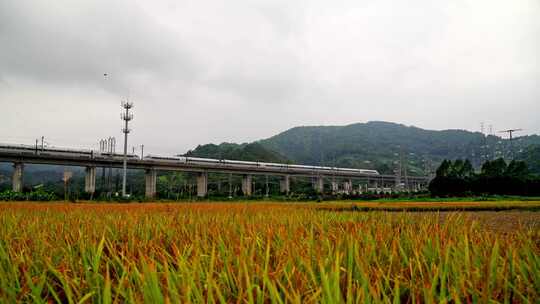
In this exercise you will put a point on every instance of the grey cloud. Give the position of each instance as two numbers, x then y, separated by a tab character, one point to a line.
257	67
77	42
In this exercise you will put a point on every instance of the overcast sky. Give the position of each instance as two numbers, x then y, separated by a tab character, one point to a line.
240	70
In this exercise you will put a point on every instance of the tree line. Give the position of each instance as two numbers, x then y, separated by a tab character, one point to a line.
496	177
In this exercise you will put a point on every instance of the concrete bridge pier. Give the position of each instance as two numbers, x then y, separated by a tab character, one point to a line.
335	187
347	186
319	184
247	185
150	178
90	180
285	184
17	179
202	184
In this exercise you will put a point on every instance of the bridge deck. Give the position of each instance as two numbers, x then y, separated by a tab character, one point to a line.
145	164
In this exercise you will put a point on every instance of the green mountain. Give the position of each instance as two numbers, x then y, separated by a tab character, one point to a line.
374	145
531	155
380	145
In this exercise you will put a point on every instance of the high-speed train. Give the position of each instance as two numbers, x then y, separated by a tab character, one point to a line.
91	154
225	162
56	151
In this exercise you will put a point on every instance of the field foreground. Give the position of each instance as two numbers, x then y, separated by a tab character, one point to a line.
263	252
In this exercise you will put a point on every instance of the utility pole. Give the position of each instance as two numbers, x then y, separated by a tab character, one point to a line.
510	133
267	190
405	164
483	147
402	169
490	149
101	150
397	172
126	117
111	144
230	185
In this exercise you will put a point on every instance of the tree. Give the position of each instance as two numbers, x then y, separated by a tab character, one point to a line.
458	178
444	169
517	169
495	168
461	169
453	178
467	170
531	156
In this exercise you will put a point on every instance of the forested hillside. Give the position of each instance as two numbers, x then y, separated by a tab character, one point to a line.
531	156
380	144
247	152
376	145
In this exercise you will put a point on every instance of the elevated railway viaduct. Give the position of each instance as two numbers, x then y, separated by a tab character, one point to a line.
354	180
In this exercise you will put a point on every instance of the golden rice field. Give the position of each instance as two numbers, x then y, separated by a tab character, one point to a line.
265	253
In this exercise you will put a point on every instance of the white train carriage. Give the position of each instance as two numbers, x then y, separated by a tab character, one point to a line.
52	151
202	160
59	152
115	156
251	164
165	158
21	149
